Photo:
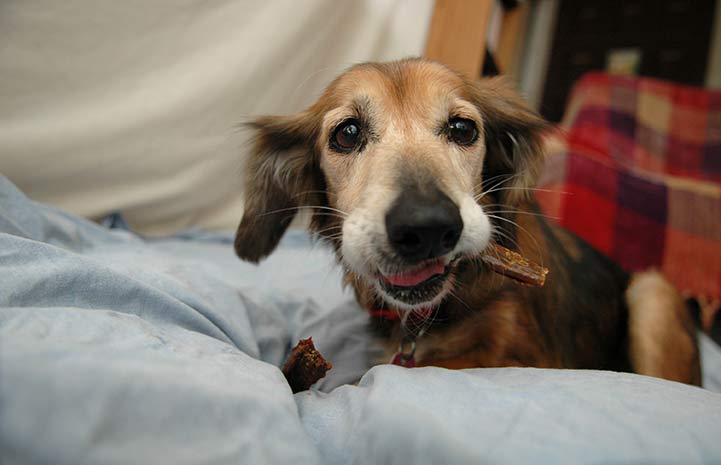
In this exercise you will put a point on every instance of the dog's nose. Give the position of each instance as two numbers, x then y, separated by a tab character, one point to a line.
423	225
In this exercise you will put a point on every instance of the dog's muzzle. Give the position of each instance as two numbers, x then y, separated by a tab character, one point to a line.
423	225
423	228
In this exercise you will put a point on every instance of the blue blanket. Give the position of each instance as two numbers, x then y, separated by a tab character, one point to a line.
122	350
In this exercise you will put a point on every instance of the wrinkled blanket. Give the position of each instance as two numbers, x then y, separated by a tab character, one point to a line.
115	349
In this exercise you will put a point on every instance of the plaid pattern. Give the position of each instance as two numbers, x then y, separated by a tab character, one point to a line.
650	125
640	178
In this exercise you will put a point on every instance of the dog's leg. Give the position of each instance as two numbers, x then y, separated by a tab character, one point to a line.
662	338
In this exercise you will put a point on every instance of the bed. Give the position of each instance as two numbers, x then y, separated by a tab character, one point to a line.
120	349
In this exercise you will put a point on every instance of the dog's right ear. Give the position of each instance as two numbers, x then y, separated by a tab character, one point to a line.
514	139
281	175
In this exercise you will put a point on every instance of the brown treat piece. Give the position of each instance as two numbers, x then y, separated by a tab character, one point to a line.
305	366
513	265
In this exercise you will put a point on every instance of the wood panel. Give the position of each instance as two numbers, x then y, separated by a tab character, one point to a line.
457	36
513	33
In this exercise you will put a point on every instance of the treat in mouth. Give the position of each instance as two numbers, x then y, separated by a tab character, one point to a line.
427	282
515	266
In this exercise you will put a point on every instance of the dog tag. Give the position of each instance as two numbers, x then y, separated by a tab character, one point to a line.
405	356
403	360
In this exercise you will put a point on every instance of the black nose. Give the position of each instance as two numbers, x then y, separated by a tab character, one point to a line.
423	225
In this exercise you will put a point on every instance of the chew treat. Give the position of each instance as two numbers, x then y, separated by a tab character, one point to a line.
513	265
305	366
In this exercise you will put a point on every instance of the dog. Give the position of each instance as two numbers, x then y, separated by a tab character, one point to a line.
411	171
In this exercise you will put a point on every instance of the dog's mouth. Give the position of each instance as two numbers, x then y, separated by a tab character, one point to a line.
422	284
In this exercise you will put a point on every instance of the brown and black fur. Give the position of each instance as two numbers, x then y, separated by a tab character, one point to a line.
581	318
556	326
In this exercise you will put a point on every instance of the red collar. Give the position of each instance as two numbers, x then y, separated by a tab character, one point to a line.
418	316
385	314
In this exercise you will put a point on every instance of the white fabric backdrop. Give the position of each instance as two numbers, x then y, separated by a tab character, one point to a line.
132	105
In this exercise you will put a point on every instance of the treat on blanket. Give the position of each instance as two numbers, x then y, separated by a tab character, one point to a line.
305	366
513	265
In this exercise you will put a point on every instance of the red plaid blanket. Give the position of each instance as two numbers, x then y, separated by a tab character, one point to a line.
640	178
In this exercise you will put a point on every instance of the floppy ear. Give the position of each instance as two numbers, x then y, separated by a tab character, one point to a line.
281	175
513	134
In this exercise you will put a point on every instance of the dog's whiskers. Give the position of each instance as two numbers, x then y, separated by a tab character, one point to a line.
498	232
330	228
300	194
504	178
341	213
512	188
531	236
521	212
516	211
455	296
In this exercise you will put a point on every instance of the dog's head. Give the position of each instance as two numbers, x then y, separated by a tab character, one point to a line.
395	160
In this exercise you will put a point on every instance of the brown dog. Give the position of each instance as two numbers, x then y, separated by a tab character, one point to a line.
411	171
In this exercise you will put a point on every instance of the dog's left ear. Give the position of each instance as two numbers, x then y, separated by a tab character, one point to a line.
513	133
281	176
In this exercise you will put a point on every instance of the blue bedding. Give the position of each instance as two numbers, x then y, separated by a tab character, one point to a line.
115	349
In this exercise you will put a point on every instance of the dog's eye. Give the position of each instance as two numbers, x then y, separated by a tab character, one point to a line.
346	136
462	131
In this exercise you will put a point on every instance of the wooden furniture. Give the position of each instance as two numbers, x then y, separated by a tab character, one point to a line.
459	31
457	35
510	42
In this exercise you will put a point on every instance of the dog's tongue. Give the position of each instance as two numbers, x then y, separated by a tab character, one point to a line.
418	276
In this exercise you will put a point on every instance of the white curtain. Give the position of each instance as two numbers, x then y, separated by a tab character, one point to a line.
133	105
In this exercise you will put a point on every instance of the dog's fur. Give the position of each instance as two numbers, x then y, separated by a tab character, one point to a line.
590	313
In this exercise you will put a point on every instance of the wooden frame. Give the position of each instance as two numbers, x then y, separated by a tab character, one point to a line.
513	33
458	32
457	35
